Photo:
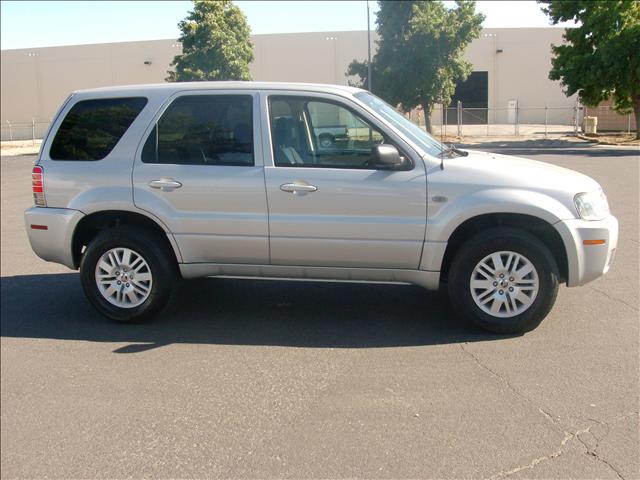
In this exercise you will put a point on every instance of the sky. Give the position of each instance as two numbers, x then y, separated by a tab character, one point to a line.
30	24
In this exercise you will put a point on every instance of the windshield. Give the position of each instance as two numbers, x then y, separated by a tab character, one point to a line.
416	134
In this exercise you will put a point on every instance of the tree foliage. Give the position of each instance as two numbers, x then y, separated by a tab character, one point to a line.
420	52
601	57
216	44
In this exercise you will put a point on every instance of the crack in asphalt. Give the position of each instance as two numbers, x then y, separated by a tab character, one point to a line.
532	464
599	458
568	436
618	300
551	418
593	452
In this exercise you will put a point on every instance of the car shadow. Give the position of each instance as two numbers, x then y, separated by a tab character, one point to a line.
241	312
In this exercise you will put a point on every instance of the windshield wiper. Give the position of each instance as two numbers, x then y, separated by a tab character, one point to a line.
450	152
453	152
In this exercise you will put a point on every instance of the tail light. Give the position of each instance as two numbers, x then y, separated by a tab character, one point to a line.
37	184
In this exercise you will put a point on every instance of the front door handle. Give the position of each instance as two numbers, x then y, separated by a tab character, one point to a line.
298	188
166	184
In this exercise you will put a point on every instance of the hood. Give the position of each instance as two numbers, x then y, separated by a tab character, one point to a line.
492	169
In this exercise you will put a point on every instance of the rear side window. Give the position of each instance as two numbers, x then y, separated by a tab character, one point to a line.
93	127
203	130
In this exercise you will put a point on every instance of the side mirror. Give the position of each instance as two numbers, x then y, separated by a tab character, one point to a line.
387	157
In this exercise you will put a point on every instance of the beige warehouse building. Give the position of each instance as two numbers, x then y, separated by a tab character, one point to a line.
509	65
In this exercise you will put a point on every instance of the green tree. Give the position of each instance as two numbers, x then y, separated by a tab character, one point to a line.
216	44
601	57
420	52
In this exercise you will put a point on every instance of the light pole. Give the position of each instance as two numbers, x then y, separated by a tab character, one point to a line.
368	49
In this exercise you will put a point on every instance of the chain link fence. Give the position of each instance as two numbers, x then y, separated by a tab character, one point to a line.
526	121
461	121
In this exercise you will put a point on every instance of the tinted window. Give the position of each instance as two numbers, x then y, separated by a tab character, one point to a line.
93	127
203	130
317	133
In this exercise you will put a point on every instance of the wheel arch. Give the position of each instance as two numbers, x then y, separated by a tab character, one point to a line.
536	226
92	224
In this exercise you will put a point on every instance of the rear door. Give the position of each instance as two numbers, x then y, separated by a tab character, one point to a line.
200	170
328	206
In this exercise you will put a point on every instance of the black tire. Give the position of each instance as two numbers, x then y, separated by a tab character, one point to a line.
510	240
160	260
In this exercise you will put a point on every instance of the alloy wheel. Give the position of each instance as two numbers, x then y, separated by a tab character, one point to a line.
123	277
504	284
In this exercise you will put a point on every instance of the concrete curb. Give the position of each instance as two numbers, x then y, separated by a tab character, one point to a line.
11	152
19	147
604	142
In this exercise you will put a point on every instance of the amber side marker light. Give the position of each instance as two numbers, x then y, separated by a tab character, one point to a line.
39	227
594	242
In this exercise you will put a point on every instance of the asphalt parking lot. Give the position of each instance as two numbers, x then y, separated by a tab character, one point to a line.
244	378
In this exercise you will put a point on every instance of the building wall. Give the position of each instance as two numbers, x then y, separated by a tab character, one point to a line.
34	82
518	61
609	120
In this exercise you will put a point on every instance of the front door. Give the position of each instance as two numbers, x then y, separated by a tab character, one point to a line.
328	205
201	172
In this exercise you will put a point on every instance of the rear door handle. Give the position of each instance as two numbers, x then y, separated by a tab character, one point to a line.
298	188
165	184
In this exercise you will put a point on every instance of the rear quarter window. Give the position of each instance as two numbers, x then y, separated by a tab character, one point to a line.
92	128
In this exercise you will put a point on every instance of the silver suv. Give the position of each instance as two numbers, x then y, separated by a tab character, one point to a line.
139	186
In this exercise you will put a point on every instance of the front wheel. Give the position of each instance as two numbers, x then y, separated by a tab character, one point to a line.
504	280
127	274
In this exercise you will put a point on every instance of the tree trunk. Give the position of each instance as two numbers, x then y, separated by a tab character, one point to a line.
636	113
426	110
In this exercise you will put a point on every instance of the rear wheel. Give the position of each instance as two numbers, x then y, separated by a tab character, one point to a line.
504	280
127	273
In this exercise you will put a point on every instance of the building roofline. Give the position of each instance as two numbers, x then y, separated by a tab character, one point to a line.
327	32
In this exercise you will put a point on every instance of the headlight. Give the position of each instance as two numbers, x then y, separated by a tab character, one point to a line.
592	205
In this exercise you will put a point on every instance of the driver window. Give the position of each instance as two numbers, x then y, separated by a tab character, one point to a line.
317	133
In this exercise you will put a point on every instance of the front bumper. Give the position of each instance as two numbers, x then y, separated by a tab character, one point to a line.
588	262
53	243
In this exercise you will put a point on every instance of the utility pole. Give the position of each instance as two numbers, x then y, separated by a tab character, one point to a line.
368	49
